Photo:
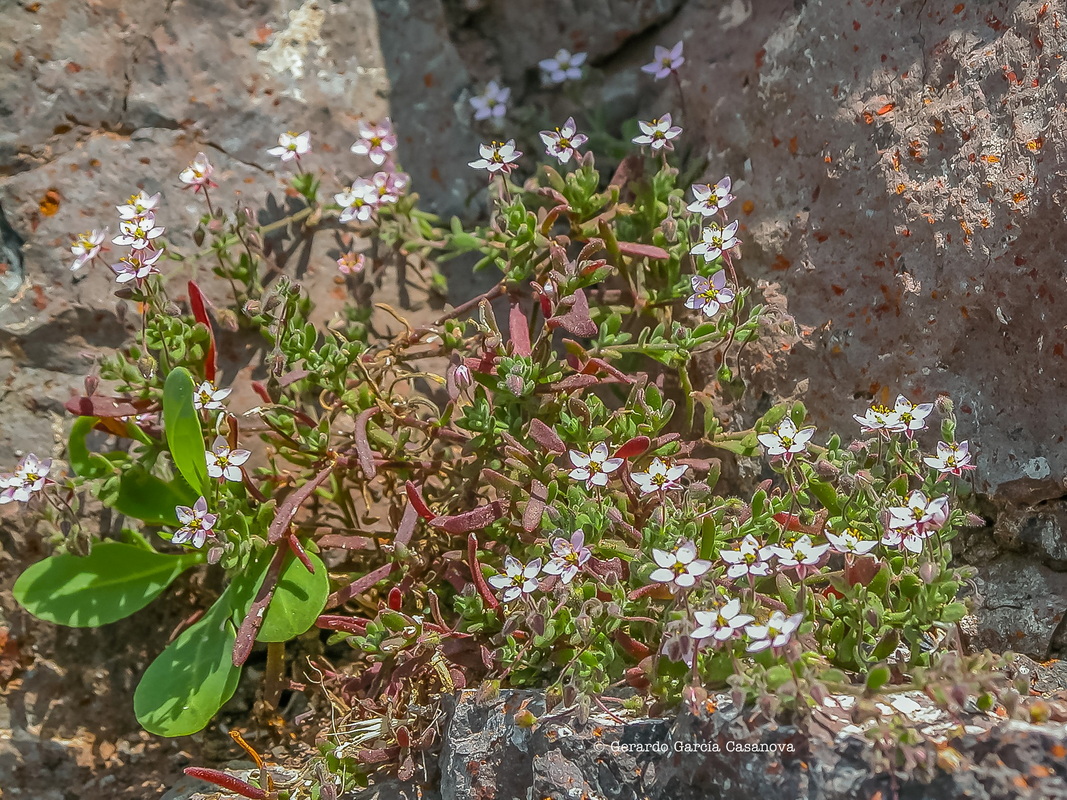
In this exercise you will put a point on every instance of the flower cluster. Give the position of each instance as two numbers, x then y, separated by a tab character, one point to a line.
365	196
29	478
139	232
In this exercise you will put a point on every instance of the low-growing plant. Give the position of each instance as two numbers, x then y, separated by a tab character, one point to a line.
521	491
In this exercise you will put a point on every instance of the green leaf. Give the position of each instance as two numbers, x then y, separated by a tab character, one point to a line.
112	582
877	678
954	612
777	676
182	425
298	600
143	496
190	681
887	645
85	464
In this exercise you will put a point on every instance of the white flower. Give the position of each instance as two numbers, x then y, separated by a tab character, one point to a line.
358	201
723	623
715	239
207	396
497	157
292	145
562	143
709	294
595	467
351	263
197	524
787	440
659	478
951	458
198	173
658	133
562	67
711	199
492	103
517	580
881	419
749	560
775	634
138	232
376	141
30	476
850	544
568	557
140	204
665	61
86	247
680	567
912	416
222	462
801	555
910	524
137	266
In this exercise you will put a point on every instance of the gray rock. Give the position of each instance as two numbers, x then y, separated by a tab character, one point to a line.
1022	606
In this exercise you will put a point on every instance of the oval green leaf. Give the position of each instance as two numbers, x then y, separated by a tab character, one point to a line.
298	600
112	582
185	438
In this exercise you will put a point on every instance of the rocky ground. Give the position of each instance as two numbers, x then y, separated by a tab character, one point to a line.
900	168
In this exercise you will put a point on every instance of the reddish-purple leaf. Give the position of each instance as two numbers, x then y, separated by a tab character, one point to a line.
635	447
633	647
359	586
660	591
99	406
499	482
603	568
546	437
476	574
283	517
227	782
300	552
377	755
407	525
395	599
199	305
594	365
363	449
345	542
253	621
473	520
531	515
292	377
643	250
574	382
415	498
520	331
577	320
629	168
333	622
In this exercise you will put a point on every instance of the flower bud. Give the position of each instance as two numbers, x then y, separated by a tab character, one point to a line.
253	308
146	365
670	229
172	310
972	520
724	374
929	572
227	319
944	405
463	377
91	384
198	236
249	215
825	470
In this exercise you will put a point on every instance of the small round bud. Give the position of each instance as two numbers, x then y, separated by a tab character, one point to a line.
670	229
172	309
253	308
91	384
825	470
944	405
146	365
724	374
198	236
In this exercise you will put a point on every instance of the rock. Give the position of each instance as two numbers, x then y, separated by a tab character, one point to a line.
1041	531
1022	606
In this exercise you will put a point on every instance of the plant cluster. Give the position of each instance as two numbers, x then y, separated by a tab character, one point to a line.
522	491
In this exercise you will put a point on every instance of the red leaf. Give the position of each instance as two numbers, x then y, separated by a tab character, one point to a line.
546	437
300	552
791	522
333	622
574	382
253	621
407	525
660	591
635	648
227	782
261	390
476	573
99	406
577	320
531	515
473	520
520	331
395	599
415	498
283	517
600	365
363	449
359	586
199	306
643	250
345	542
635	447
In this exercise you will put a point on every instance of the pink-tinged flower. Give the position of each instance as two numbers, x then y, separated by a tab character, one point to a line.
911	415
710	200
786	441
881	419
358	201
562	143
951	458
198	174
921	516
376	141
658	133
516	580
659	478
462	377
292	145
775	633
721	624
208	397
595	467
351	263
497	157
562	67
224	463
850	544
750	560
715	239
87	247
30	476
680	567
709	294
568	557
197	524
136	266
665	61
138	232
492	103
140	205
388	186
801	555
